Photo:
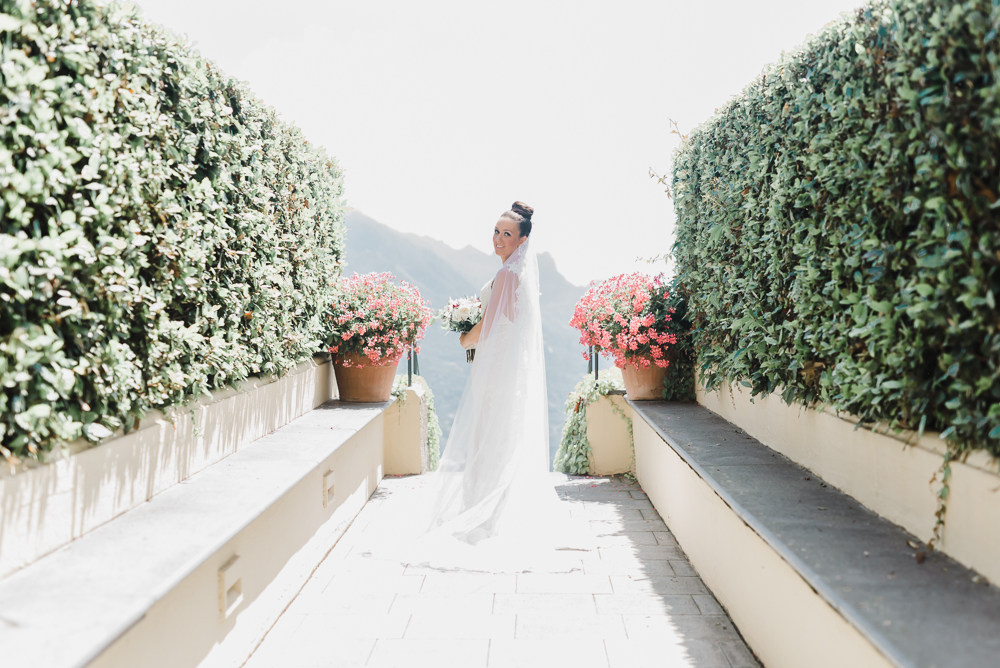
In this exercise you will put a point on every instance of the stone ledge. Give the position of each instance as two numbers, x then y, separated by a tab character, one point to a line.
50	505
859	564
73	604
888	473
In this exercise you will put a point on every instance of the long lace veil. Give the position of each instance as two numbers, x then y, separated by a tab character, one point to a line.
493	476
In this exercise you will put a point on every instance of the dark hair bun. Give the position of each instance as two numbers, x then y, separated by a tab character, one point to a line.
522	209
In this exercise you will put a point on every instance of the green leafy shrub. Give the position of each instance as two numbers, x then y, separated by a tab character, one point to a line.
163	232
678	384
837	223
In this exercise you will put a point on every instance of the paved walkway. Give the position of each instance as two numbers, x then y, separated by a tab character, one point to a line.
634	601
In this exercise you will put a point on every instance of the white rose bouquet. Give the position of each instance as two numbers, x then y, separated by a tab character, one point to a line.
461	315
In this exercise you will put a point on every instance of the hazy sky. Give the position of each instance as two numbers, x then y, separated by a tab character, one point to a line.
444	112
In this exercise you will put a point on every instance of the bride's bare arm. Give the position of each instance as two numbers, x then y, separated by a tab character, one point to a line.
471	337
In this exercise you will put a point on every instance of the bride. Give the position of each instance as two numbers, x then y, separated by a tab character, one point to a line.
496	458
491	504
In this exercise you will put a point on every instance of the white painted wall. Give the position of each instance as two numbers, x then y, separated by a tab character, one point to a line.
46	506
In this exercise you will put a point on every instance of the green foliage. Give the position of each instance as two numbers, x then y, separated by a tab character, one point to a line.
162	233
573	456
837	224
433	429
678	384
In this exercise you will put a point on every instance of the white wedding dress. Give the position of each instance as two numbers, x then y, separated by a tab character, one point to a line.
491	505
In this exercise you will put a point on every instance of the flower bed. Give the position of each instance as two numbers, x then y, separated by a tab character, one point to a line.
374	318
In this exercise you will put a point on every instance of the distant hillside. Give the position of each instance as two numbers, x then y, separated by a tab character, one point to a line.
441	273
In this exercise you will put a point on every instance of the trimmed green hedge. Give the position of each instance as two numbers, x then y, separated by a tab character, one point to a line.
163	232
837	223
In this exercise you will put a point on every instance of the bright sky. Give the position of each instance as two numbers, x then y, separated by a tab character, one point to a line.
443	112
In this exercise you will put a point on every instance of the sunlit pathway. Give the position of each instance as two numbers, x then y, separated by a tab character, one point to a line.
633	601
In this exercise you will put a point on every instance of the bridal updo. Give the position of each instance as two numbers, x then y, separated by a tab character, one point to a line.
520	213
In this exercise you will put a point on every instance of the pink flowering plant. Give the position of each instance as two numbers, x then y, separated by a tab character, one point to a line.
373	317
629	317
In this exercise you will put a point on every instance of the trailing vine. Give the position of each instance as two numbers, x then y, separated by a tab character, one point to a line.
573	456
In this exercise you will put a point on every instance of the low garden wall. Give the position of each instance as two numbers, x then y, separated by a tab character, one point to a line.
897	476
46	506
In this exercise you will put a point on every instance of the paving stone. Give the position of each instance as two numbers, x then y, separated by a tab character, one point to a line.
568	627
601	527
683	567
334	603
641	553
544	583
350	625
449	626
543	653
469	583
627	584
623	502
738	654
645	604
633	601
549	603
626	538
318	653
657	654
708	605
595	511
349	584
665	538
680	627
429	652
628	567
430	604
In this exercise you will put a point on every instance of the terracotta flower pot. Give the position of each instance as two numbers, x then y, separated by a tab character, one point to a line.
644	384
361	382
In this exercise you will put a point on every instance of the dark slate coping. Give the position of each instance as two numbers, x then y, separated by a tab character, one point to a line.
919	615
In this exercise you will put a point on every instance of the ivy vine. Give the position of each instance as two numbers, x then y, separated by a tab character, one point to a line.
573	456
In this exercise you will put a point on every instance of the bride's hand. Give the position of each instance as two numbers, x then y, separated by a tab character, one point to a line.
462	338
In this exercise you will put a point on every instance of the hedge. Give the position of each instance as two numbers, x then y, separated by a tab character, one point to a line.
837	223
163	232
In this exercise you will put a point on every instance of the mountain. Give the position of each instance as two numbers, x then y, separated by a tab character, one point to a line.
442	273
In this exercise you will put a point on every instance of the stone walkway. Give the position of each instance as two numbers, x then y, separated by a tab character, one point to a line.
634	601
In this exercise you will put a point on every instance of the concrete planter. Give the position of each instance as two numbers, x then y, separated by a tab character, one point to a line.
406	429
608	435
361	382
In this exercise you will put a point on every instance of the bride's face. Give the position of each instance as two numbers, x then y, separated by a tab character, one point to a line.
507	237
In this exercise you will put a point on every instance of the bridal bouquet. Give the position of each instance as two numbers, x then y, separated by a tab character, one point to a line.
461	315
